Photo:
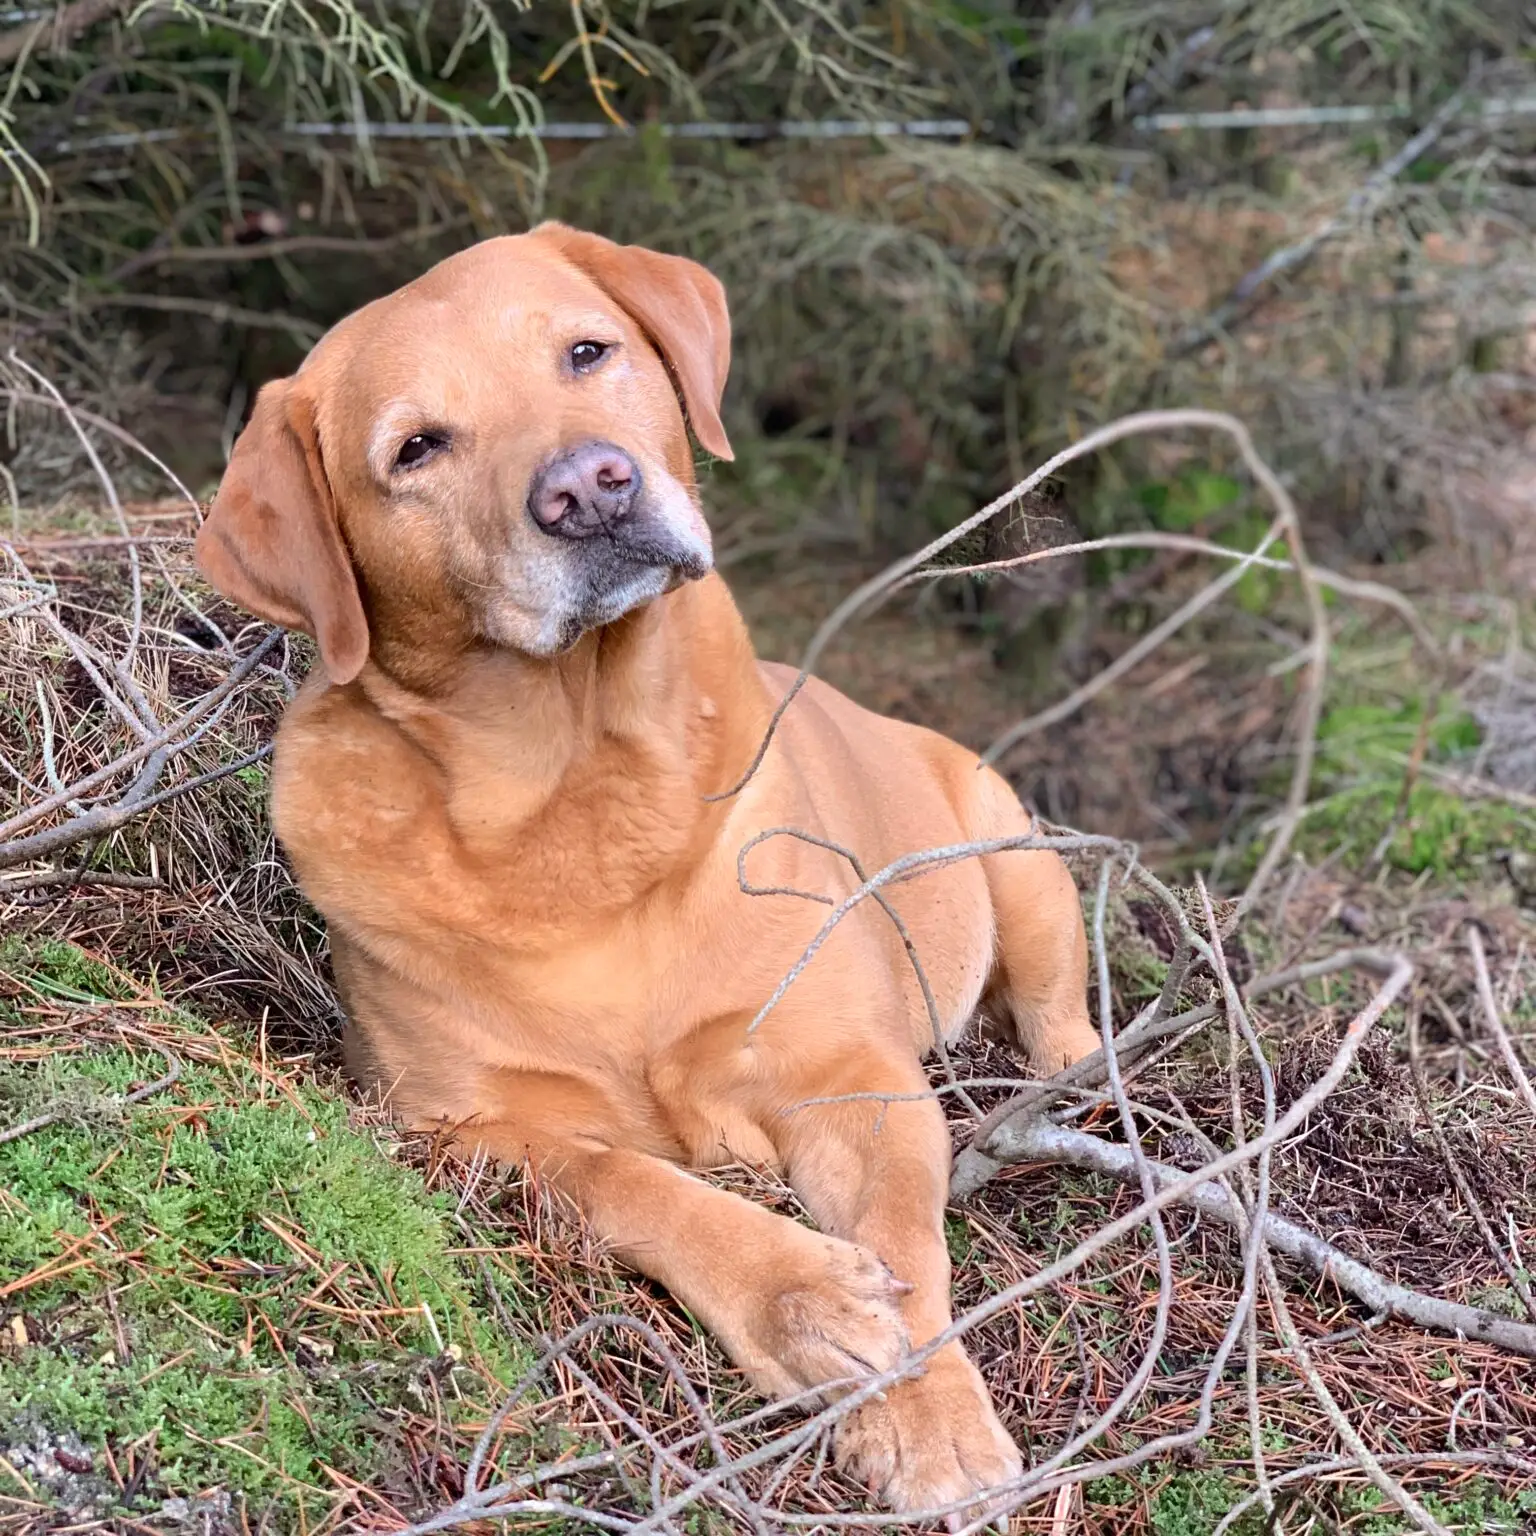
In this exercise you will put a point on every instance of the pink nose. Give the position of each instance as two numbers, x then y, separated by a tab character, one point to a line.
584	490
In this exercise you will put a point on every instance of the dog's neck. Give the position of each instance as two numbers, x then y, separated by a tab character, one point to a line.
673	688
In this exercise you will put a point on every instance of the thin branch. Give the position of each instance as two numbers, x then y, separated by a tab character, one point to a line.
365	130
995	1144
1132	658
1516	1281
59	27
1354	1443
112	429
50	879
159	750
920	863
207	309
1041	1141
877	588
285	245
68	1112
1362	201
1400	1461
1346	586
930	1004
124	668
1494	1020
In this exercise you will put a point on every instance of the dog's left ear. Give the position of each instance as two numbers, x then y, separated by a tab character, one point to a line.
680	305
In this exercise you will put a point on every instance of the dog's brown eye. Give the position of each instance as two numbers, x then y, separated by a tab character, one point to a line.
418	449
586	355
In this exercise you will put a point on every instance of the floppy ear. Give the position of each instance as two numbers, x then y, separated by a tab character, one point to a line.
681	307
271	541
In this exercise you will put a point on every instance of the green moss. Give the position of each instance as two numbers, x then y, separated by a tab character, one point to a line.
1438	832
1349	734
1140	975
214	1213
1363	755
60	970
1501	1298
957	1237
1192	1503
1186	1504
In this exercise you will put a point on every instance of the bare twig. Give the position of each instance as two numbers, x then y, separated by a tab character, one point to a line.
930	1004
1287	523
995	1144
1254	1206
1361	203
208	309
919	863
123	668
1040	1141
54	1116
364	129
1516	1280
159	751
112	429
1302	1359
60	28
1130	659
1188	543
50	879
1406	1461
1494	1019
1477	788
282	245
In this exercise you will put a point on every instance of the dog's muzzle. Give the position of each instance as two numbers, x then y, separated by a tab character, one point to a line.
628	541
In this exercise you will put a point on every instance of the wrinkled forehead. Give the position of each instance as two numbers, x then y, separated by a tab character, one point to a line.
486	321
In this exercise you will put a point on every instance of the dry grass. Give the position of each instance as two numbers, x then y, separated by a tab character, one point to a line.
219	918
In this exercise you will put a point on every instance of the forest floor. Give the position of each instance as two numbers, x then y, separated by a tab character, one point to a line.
233	1298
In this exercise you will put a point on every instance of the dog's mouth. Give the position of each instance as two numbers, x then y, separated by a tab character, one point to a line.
620	575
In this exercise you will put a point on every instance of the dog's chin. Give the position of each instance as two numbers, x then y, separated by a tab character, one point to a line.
624	586
601	595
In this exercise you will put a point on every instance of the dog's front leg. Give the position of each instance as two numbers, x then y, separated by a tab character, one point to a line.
794	1308
876	1173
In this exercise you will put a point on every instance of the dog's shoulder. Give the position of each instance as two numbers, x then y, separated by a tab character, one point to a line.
342	772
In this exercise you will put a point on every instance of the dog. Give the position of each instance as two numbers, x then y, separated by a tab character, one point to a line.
506	786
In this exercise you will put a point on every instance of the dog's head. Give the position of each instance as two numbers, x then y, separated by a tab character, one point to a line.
496	454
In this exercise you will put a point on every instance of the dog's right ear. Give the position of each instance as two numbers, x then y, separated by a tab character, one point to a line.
271	541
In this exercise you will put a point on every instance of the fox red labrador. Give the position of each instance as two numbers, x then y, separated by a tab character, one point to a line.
502	788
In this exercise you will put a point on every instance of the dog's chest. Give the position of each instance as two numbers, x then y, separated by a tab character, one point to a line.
592	928
490	858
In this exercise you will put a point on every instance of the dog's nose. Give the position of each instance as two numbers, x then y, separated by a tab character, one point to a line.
584	490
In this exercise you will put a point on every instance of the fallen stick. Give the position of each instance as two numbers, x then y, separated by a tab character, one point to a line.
1045	1142
114	1101
994	1145
1494	1020
1362	202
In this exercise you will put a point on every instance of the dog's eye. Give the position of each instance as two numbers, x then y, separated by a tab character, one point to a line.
586	355
415	451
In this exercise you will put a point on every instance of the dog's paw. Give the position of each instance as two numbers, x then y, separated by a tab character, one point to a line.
1081	1039
1054	1044
833	1313
930	1441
